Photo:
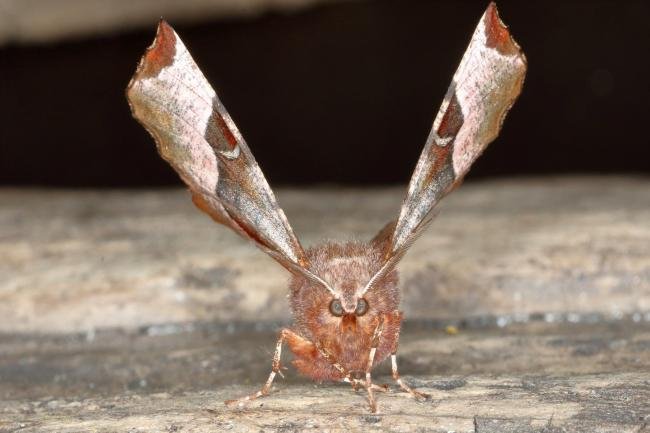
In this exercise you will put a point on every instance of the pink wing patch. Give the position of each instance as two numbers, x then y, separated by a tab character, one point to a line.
172	99
486	84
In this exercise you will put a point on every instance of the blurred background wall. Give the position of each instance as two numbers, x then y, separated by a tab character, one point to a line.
323	91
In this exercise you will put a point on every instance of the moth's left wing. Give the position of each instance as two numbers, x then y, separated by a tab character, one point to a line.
193	132
486	84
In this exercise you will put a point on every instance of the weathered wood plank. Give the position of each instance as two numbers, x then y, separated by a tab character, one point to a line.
525	378
503	404
38	21
131	311
75	261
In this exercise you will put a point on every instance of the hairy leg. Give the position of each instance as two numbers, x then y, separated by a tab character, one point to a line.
356	383
367	382
371	360
415	393
307	354
276	369
393	360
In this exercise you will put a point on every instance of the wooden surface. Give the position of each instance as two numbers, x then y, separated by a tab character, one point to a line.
503	404
130	311
38	21
537	377
563	247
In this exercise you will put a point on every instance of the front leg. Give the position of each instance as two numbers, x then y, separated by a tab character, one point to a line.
421	396
376	337
367	383
275	369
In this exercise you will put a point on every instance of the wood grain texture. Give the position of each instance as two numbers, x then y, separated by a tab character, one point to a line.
531	378
503	404
117	310
77	261
37	21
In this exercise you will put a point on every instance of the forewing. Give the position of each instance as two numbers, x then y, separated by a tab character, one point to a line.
487	82
485	85
172	99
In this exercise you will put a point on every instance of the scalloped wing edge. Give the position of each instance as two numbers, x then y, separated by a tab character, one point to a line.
485	86
171	98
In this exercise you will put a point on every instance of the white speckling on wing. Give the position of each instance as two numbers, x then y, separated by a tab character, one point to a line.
481	70
484	87
189	96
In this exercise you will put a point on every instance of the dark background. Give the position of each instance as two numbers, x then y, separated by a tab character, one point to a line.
341	93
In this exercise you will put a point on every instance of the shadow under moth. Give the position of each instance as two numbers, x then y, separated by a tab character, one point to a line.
344	296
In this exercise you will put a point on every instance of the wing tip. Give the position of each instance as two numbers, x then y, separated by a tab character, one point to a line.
160	54
156	57
497	35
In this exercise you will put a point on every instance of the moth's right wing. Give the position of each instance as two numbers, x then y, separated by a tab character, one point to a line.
486	84
171	98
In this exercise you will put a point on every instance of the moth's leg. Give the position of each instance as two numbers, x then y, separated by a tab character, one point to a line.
355	383
367	383
334	363
359	383
414	392
393	360
371	359
276	369
346	376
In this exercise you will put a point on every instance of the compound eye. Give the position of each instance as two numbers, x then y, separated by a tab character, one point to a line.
362	307
336	308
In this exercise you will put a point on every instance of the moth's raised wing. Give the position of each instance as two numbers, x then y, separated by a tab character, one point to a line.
172	99
487	82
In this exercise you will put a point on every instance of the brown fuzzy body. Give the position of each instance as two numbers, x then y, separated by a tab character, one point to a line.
345	340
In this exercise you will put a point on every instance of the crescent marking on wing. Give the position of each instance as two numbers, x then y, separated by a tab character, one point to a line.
231	154
440	141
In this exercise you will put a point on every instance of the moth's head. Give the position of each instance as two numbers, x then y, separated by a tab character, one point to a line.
346	306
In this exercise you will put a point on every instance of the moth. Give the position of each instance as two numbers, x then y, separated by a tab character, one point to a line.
344	296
